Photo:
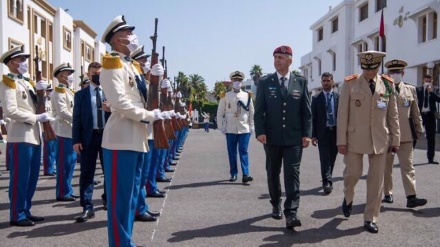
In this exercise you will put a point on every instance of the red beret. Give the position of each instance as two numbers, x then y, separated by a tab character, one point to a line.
284	49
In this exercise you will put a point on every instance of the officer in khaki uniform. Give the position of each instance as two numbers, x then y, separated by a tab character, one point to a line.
24	135
367	124
410	122
235	119
62	110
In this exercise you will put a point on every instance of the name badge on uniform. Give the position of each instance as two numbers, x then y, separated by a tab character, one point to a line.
406	103
131	82
24	95
381	104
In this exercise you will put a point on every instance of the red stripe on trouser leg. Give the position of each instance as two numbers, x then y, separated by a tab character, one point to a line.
114	199
15	183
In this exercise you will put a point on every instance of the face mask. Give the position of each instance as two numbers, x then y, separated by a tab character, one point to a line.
70	79
236	85
95	79
133	42
397	78
146	68
22	67
427	84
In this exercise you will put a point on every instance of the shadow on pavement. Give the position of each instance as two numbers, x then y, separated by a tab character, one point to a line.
203	184
334	212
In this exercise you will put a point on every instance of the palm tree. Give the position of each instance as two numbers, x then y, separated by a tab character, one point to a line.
219	89
256	72
184	86
198	87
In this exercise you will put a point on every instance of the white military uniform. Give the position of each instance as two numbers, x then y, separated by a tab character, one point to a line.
231	116
62	111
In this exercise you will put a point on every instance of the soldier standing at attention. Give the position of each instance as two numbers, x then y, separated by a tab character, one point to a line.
238	111
367	124
410	122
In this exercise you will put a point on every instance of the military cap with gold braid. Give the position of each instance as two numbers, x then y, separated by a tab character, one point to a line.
118	24
139	53
370	59
236	75
396	64
62	67
14	52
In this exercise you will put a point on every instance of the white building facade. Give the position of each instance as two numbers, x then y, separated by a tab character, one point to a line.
411	33
49	32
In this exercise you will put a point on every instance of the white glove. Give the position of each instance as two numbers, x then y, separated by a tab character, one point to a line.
157	115
179	95
43	117
41	85
165	83
178	115
166	115
2	122
252	131
172	113
157	70
183	116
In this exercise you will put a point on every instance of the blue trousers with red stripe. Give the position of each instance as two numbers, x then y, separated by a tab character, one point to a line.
49	151
24	165
142	205
175	145
151	184
122	171
157	159
66	161
167	164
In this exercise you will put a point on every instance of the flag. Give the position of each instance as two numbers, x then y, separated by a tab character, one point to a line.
190	108
381	27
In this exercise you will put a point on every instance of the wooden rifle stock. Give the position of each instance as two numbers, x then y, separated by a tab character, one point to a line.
159	135
164	106
48	132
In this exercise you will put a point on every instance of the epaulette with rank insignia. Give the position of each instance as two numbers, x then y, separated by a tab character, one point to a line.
8	81
387	78
60	89
137	65
222	95
351	77
111	61
387	81
30	81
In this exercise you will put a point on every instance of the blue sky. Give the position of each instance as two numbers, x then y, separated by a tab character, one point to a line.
211	38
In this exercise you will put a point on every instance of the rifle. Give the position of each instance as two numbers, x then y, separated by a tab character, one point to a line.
169	130
48	132
159	135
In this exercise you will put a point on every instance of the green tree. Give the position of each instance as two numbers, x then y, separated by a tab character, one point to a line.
256	72
184	85
198	87
219	88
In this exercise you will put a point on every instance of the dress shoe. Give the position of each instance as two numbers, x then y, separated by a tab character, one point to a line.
388	199
174	163
371	227
145	218
154	213
177	158
292	221
163	179
328	189
346	209
96	182
169	170
413	202
276	212
433	162
247	179
74	195
53	174
104	204
35	218
156	194
88	214
162	191
66	199
25	222
233	179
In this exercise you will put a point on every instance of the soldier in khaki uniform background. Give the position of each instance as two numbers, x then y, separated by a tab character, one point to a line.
62	110
237	111
408	109
367	124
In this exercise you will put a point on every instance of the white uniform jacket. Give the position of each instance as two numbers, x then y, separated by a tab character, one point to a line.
62	111
231	115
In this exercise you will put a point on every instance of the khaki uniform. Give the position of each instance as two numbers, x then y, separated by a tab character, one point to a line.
232	117
62	111
407	107
368	124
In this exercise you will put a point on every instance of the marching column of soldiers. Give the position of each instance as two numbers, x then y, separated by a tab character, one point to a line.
137	126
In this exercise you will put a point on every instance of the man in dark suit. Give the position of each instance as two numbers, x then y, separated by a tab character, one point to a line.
427	97
89	116
324	112
283	124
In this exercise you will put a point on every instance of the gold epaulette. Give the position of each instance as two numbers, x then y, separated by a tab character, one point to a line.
110	61
73	91
351	77
250	94
137	65
60	89
9	82
222	95
386	77
32	83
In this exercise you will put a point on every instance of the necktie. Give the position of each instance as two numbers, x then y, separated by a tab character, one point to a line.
283	86
331	121
397	89
425	100
372	86
99	108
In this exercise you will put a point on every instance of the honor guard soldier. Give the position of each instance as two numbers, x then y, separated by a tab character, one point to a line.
19	99
368	124
49	148
236	120
410	122
125	139
62	106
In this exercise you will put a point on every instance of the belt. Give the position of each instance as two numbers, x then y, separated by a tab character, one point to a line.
331	128
98	131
